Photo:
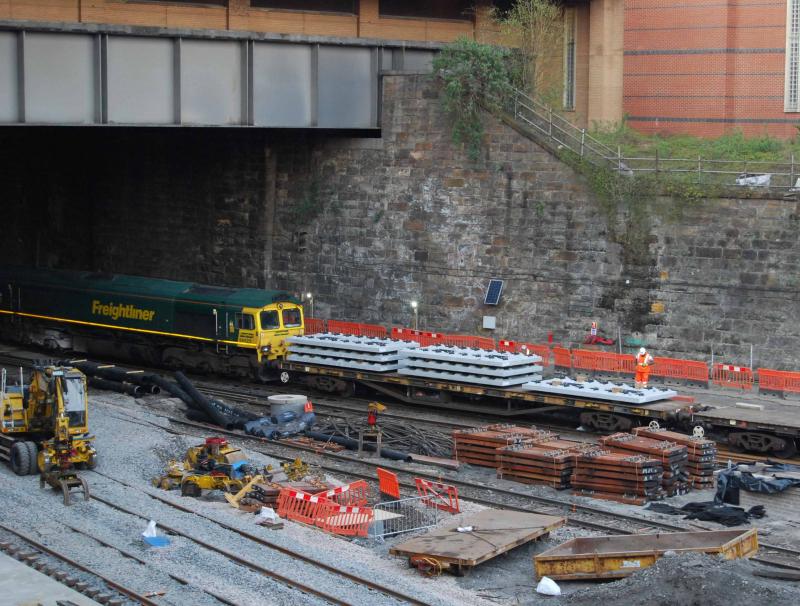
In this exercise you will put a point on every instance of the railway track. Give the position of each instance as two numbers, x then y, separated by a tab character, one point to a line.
577	514
303	587
68	571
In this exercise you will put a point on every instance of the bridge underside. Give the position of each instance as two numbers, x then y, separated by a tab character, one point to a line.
145	77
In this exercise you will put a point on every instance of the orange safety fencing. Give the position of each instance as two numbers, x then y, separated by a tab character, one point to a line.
543	351
778	380
438	495
313	325
603	361
356	329
430	338
299	506
405	334
468	341
688	370
388	483
728	375
562	357
345	521
355	494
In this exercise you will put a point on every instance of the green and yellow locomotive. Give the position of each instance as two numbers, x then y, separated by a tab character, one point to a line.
230	331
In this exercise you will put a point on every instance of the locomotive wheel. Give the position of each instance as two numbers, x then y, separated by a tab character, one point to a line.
20	459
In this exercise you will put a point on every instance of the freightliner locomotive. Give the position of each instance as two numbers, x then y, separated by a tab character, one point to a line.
231	331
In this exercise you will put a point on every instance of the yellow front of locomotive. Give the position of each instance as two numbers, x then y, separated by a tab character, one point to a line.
276	322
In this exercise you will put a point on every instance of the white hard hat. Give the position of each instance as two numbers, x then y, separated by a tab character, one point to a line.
642	351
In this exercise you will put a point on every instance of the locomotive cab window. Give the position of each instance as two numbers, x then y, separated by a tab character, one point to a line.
245	322
269	320
291	318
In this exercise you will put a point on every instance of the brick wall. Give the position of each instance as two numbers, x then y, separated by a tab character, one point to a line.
239	15
367	225
706	67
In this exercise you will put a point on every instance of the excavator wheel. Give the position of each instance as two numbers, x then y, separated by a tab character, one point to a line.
92	462
20	459
34	452
190	489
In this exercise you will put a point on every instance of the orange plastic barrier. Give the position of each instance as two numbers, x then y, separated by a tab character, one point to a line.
355	328
728	375
343	328
355	494
313	325
468	341
778	380
372	330
438	495
543	351
687	370
603	361
388	483
504	345
344	520
431	338
299	506
562	357
405	334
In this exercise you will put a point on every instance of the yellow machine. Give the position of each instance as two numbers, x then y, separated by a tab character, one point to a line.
44	427
213	465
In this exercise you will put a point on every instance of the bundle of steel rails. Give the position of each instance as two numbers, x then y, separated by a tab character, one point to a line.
674	457
548	462
618	476
702	454
479	446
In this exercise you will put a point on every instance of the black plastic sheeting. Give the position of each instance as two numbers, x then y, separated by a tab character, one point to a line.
733	478
710	511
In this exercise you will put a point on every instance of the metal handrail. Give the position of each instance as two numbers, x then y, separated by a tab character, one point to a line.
541	119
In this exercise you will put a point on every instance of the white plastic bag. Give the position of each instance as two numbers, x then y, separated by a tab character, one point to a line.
548	586
464	529
150	531
267	513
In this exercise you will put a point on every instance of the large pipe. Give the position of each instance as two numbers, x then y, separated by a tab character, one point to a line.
352	444
128	388
215	413
174	389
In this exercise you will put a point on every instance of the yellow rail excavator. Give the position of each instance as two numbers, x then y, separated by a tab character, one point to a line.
44	427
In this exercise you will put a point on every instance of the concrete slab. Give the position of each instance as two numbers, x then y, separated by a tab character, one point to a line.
24	586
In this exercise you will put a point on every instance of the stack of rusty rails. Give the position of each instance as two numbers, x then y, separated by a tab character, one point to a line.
702	454
674	457
478	446
617	476
549	463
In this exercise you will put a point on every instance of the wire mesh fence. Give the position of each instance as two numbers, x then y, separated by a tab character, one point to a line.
404	515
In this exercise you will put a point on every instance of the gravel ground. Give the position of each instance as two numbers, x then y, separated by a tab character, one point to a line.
135	444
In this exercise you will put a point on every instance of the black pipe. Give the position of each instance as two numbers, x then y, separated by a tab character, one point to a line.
213	411
128	388
154	389
174	389
352	444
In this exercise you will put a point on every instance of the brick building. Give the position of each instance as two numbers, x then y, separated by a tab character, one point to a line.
704	67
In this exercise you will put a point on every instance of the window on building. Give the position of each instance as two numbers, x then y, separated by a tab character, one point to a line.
425	9
195	2
791	93
321	6
570	24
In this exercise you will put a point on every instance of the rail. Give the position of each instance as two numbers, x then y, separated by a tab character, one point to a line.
555	131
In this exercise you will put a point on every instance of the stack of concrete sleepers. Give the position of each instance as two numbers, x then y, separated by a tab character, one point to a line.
615	392
674	457
702	454
480	446
547	463
616	476
475	366
372	354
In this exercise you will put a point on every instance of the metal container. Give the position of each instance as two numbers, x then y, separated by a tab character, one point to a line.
280	404
614	557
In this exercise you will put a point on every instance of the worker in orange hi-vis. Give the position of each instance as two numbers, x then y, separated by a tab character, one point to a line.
643	362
